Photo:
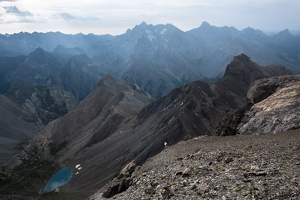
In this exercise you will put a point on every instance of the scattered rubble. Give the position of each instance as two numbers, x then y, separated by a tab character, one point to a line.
232	167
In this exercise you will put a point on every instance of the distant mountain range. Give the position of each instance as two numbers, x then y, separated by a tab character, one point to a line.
102	101
155	58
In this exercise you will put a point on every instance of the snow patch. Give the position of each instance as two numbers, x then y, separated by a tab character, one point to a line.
165	144
163	31
77	166
151	37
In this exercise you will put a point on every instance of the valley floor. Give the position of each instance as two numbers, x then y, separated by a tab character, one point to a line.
232	167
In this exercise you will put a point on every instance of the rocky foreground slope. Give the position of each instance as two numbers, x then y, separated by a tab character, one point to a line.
232	167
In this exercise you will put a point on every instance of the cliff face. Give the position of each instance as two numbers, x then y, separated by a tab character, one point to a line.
275	106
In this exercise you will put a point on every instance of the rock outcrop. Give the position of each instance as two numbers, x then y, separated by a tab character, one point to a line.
275	106
122	182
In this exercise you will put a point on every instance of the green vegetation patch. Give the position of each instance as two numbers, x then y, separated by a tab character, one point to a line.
28	179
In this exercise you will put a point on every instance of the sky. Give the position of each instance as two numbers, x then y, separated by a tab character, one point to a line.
116	16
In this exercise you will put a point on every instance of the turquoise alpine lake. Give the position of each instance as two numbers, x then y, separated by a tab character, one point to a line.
61	177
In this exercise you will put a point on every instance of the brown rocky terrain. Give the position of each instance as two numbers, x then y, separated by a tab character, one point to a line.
231	167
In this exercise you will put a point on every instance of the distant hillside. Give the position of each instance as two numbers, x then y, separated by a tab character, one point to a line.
27	110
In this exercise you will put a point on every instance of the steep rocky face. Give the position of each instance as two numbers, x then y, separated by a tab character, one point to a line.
80	75
43	103
275	106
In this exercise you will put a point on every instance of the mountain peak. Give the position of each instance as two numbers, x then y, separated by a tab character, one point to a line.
205	24
284	33
242	57
107	80
143	24
39	49
38	56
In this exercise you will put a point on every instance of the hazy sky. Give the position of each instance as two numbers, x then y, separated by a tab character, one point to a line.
116	16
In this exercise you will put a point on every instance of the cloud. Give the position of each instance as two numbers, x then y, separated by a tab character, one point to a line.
67	16
73	17
116	16
15	10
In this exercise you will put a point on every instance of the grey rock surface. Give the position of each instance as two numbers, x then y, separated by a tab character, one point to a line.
275	106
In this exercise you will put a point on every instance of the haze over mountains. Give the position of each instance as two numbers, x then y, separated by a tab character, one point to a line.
103	101
156	58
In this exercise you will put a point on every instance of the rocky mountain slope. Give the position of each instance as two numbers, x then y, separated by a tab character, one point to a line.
27	110
157	58
43	103
221	43
112	126
232	167
15	128
75	73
